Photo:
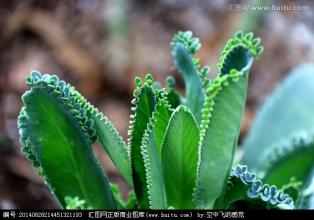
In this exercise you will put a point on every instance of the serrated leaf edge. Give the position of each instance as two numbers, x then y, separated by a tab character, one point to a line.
161	101
258	189
253	45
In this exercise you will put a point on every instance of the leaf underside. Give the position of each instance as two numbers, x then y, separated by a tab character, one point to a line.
194	91
290	158
280	116
237	59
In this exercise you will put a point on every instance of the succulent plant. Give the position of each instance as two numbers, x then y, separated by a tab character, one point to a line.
286	156
180	150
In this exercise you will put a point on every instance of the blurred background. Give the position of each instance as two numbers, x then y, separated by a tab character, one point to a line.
100	46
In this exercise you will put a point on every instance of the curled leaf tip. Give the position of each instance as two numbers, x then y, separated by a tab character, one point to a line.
67	96
192	44
239	52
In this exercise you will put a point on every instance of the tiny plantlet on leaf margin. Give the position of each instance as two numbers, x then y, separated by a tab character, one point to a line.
180	149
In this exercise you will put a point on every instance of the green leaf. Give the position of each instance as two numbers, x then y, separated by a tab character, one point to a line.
151	150
243	186
131	203
121	204
306	199
287	110
219	135
179	158
221	118
75	203
239	52
293	188
113	144
238	58
194	90
144	105
109	137
289	158
57	137
192	44
173	96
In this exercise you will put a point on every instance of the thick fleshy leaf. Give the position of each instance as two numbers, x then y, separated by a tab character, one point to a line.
244	187
174	98
239	52
151	150
113	144
144	105
179	158
109	137
186	38
56	137
194	90
219	141
222	116
288	109
238	58
290	158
